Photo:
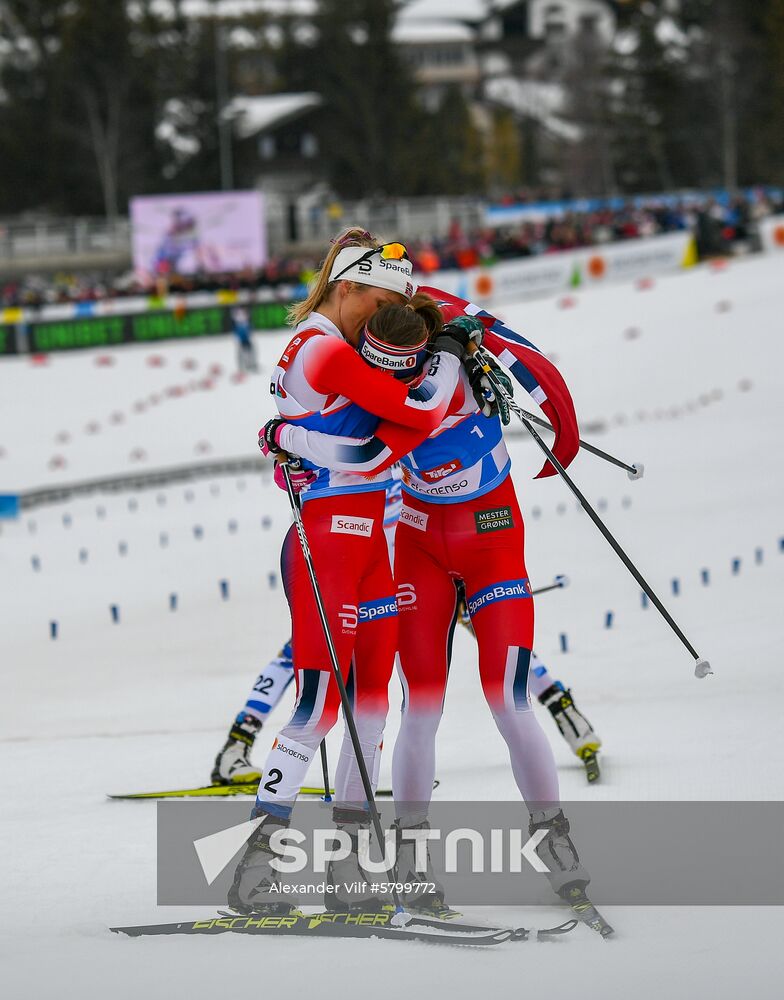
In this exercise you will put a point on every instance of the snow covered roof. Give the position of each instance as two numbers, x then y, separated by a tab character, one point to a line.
541	101
237	8
448	10
252	115
415	32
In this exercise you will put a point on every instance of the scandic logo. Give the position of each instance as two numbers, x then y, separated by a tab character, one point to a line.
344	524
414	518
504	591
433	475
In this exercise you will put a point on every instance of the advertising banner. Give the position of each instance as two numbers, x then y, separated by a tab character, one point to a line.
772	233
550	274
148	327
7	340
198	233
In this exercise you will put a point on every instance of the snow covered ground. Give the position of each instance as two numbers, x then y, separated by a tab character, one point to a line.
683	376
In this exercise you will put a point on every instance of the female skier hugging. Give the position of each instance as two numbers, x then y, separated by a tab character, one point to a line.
324	382
461	521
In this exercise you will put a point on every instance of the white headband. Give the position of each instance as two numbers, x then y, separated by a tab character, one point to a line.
360	265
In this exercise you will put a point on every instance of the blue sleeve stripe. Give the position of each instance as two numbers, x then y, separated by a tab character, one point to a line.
422	393
360	454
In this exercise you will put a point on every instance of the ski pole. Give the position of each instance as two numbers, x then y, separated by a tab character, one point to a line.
323	746
348	712
325	771
635	471
701	666
559	584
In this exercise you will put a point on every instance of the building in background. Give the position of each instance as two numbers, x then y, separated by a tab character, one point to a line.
514	62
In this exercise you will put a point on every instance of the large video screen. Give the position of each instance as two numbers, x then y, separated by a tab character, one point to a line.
198	233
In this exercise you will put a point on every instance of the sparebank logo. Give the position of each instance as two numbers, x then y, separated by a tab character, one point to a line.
384	607
505	591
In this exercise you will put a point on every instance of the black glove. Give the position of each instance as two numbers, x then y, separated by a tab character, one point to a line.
489	401
269	437
456	335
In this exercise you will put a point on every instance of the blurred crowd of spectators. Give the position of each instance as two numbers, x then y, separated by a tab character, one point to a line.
718	229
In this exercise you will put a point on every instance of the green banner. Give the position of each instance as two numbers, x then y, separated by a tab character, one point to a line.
7	340
140	328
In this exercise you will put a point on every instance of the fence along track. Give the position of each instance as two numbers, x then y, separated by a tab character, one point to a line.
30	499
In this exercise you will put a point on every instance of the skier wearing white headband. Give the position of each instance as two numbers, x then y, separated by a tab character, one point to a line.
322	383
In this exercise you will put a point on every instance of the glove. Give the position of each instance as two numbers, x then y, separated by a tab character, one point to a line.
300	478
456	335
269	437
487	399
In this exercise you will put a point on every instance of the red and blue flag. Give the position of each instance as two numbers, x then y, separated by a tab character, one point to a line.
535	373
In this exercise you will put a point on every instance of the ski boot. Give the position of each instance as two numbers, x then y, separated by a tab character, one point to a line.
558	852
257	886
427	903
351	890
232	765
574	727
567	876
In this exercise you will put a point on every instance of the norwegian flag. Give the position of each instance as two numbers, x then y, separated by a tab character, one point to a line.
538	376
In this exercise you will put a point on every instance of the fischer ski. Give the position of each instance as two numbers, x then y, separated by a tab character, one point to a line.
227	791
324	924
351	925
